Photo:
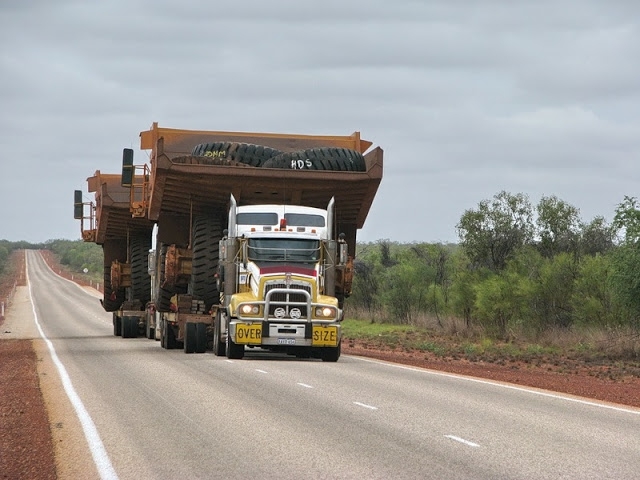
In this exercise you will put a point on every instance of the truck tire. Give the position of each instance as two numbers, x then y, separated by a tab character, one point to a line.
190	334
247	153
168	338
219	347
117	325
233	350
326	158
201	337
129	327
207	232
150	332
139	245
330	354
112	300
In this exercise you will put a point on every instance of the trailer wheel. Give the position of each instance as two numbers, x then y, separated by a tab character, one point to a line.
117	325
190	334
163	335
330	354
140	244
201	337
150	332
219	347
168	338
234	351
112	300
129	327
207	232
247	153
326	158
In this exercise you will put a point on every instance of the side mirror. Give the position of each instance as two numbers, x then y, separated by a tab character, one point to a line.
78	211
127	168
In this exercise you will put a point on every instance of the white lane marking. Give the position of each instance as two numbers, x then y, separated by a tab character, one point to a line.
304	385
229	361
261	371
495	384
462	440
98	452
370	407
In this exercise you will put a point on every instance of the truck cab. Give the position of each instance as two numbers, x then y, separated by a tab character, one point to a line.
278	264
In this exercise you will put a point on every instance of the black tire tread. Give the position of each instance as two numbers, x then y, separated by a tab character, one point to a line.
190	337
207	232
140	244
201	337
246	153
324	158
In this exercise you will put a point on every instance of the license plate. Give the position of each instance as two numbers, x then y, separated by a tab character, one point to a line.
325	336
286	341
248	333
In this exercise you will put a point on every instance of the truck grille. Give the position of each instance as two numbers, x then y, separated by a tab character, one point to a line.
292	296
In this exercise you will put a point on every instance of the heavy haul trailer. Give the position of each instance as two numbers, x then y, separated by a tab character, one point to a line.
193	188
126	242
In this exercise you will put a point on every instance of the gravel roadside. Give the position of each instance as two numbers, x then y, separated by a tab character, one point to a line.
40	434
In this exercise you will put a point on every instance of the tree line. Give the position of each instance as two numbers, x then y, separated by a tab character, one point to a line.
7	248
75	254
517	268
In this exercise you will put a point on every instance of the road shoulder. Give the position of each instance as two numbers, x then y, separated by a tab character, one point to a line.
40	434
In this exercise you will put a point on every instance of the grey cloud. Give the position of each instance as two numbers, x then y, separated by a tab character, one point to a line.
467	98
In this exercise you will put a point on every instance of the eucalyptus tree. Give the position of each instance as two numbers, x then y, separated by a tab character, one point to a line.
625	277
558	225
495	230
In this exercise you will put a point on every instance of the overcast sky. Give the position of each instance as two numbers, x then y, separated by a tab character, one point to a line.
467	98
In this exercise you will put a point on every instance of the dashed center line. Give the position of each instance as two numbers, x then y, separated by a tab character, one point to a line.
370	407
462	440
261	371
304	385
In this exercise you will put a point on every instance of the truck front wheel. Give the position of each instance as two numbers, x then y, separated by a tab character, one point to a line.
330	354
219	347
234	350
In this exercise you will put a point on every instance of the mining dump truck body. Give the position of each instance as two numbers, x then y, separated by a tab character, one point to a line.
125	242
181	184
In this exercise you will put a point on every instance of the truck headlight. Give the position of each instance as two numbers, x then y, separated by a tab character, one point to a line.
249	309
325	312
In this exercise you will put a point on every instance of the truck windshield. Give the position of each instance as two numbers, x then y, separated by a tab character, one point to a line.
270	251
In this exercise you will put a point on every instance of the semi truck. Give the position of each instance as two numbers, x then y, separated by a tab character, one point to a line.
278	278
254	236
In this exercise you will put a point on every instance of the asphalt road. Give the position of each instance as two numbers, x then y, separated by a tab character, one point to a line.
164	414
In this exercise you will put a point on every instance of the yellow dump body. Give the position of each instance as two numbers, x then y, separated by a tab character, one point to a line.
113	218
181	184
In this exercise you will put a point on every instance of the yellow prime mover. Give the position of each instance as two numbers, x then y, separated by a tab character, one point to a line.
255	237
